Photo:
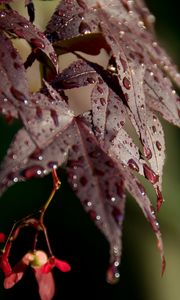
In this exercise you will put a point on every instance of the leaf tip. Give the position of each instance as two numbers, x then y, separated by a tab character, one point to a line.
163	265
113	275
160	199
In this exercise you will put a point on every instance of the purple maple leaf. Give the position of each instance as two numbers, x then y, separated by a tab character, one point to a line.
101	153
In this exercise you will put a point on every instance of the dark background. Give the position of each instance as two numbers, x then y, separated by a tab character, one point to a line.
75	238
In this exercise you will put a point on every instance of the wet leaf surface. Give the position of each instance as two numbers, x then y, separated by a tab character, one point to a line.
99	151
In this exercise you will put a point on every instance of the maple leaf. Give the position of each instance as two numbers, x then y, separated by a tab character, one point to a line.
99	152
13	23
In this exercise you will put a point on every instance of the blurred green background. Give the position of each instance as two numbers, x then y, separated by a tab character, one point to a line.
75	238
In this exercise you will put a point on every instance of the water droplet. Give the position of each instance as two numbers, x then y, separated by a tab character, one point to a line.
88	203
112	275
75	186
158	145
103	101
75	148
113	199
147	153
90	80
81	3
53	57
141	24
100	90
141	188
13	176
149	174
152	219
2	14
25	25
37	43
98	217
84	28
126	83
154	129
133	165
111	68
100	80
121	34
33	171
126	3
37	154
122	123
74	177
54	116
52	164
18	95
154	44
19	32
151	19
160	199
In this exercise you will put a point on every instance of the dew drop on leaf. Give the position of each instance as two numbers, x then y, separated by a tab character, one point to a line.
149	174
90	80
52	164
37	154
126	83
37	43
54	116
103	101
159	198
18	95
100	90
141	189
33	171
147	153
84	28
158	145
113	275
133	165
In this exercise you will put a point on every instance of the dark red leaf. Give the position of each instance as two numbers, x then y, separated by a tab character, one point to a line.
101	152
68	21
78	74
12	22
14	87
